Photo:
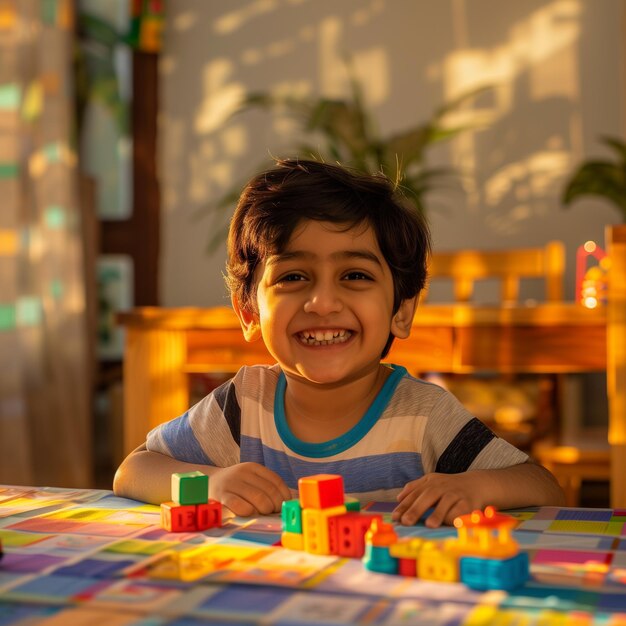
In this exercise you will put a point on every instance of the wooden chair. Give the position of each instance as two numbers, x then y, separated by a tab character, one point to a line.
466	267
572	463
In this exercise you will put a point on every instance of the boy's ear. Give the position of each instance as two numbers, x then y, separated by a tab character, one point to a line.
402	320
249	321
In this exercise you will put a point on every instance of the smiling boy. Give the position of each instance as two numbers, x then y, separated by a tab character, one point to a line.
326	266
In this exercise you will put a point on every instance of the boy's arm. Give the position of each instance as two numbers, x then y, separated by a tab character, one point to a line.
246	488
451	495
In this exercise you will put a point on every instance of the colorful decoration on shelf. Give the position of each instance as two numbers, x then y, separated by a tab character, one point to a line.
483	555
146	25
190	509
591	280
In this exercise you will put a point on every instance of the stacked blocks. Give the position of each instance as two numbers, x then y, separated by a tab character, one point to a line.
323	521
483	556
190	509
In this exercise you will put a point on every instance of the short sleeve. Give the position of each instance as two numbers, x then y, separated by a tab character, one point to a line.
455	441
208	433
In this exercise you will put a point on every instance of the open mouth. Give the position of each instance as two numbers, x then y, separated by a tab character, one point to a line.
324	337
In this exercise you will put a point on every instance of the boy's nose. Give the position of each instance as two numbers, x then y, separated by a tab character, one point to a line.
323	302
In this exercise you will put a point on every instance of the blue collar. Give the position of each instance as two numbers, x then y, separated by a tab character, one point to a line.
348	439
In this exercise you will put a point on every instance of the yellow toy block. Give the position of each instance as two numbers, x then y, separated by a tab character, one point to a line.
315	528
485	534
292	541
435	563
407	548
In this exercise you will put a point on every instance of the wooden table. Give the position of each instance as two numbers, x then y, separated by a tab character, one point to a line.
163	346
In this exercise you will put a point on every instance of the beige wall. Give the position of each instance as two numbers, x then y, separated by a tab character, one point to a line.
558	66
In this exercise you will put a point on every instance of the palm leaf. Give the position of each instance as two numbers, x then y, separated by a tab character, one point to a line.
598	178
348	135
618	145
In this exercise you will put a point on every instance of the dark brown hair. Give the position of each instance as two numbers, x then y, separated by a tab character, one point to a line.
274	202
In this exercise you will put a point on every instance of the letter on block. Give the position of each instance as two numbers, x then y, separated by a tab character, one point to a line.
209	515
178	518
190	487
321	491
291	516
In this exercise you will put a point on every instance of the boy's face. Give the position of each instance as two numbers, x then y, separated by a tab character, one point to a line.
325	304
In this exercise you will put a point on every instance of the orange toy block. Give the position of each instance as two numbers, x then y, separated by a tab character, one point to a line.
209	515
178	518
381	534
346	533
321	491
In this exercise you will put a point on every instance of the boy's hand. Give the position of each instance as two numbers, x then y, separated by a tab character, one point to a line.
449	495
249	489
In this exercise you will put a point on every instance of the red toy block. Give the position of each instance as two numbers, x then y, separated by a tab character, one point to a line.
209	515
178	518
322	491
347	533
407	567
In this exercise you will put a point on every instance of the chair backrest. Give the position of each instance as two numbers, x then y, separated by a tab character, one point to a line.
465	267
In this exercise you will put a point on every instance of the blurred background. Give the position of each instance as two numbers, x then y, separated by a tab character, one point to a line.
127	128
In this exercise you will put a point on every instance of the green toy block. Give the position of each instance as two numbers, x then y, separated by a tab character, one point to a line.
190	488
291	515
352	505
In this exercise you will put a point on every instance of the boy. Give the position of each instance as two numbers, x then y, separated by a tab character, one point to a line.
326	266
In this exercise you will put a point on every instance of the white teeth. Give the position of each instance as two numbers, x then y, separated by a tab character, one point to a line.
324	337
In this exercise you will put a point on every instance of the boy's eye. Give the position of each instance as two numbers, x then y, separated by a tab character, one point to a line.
290	278
357	276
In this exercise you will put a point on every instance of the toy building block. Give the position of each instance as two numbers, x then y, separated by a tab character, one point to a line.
291	516
485	534
346	533
292	541
315	528
378	559
208	515
380	534
378	539
178	517
486	573
190	487
407	552
321	491
352	504
407	567
437	563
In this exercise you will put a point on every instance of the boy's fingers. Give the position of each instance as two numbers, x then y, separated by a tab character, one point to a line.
259	493
238	505
278	484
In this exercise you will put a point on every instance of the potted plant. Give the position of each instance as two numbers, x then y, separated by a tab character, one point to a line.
605	178
348	135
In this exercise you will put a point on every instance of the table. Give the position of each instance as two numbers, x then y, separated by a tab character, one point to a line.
88	557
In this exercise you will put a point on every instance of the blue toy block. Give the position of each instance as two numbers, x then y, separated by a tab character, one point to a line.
378	559
483	574
291	515
190	488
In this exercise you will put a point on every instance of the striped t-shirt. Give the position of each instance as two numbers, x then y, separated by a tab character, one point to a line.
410	429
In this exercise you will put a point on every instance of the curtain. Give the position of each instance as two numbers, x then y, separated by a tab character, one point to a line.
45	427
